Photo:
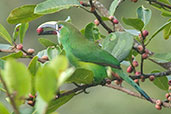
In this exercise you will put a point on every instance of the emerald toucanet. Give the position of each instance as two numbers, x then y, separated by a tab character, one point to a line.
86	54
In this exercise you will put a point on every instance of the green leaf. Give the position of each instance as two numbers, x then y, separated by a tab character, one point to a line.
113	7
22	31
59	64
55	104
81	76
65	76
16	32
42	53
160	29
5	46
18	79
167	31
134	22
22	14
105	18
161	82
13	55
144	14
52	53
26	109
119	44
161	57
91	32
52	6
2	63
163	10
46	83
4	34
33	66
46	42
41	105
3	109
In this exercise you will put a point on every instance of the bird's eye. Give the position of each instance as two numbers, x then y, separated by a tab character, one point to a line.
60	27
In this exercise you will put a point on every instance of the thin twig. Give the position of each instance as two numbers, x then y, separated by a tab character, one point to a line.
129	92
160	3
8	94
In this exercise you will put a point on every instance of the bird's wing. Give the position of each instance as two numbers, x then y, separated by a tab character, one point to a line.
89	52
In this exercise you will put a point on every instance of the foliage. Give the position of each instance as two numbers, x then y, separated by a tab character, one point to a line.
39	83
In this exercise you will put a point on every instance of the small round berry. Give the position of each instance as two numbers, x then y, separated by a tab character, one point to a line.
39	30
142	78
140	48
115	21
169	88
117	82
135	63
44	57
147	51
167	95
19	46
111	17
144	56
134	1
169	82
169	98
158	102
96	22
30	102
108	81
136	80
129	69
137	73
158	107
31	96
81	2
30	51
151	78
145	33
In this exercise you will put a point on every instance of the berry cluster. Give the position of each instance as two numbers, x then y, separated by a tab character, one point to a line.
113	20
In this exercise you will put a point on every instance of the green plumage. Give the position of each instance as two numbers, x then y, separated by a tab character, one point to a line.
85	54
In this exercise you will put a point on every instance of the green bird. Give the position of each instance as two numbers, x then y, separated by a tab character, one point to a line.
83	53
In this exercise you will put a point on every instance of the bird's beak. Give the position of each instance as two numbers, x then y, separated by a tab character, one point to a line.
51	24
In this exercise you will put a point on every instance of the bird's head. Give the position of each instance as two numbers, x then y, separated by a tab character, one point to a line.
60	28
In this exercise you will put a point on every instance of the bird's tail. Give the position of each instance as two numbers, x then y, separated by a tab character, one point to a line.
125	77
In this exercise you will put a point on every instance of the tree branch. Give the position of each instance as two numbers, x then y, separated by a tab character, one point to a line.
8	94
159	3
129	92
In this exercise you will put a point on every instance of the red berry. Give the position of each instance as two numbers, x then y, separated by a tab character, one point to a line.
135	63
142	79
81	2
136	80
111	17
129	69
158	102
169	82
137	73
30	51
167	95
158	107
108	81
140	48
20	46
169	98
170	88
134	1
144	56
115	21
44	57
117	82
39	30
31	96
96	22
151	78
147	51
145	33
